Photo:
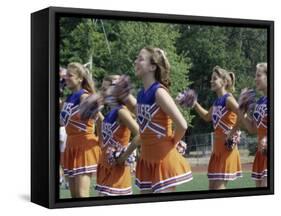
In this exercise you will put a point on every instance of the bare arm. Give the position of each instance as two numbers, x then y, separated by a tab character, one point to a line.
233	106
83	97
98	118
99	121
203	113
243	119
167	104
61	103
248	122
131	103
126	119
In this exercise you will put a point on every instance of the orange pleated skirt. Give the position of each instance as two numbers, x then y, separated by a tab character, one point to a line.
161	166
224	164
114	180
82	154
259	171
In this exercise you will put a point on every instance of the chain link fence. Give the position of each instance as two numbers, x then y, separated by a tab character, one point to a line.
199	147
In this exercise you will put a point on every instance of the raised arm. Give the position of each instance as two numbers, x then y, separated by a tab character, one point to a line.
243	119
232	105
203	113
83	97
248	122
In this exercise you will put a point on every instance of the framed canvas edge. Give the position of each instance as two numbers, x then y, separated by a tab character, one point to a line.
54	202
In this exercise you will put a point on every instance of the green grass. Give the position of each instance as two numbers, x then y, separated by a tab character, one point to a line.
199	182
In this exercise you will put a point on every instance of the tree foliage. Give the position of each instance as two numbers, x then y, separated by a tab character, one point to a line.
193	50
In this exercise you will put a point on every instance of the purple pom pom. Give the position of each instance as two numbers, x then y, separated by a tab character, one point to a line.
187	98
181	147
113	153
234	140
90	107
247	101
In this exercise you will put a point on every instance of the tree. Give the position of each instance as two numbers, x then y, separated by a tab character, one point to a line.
112	47
235	49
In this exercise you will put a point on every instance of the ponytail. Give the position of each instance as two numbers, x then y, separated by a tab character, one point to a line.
231	82
229	77
84	74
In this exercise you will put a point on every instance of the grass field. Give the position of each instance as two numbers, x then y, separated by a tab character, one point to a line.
199	182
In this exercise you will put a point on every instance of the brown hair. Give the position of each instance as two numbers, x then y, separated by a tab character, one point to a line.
262	66
162	72
229	77
84	73
111	78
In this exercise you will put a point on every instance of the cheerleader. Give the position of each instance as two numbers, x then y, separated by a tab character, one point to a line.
160	167
257	124
114	175
224	164
82	150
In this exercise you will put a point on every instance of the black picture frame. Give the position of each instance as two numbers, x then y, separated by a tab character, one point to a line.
45	108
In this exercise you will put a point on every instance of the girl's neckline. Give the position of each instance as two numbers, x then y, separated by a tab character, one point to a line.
146	90
227	93
77	91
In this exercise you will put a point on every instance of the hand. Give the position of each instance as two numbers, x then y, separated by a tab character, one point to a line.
187	98
116	156
127	161
112	154
262	146
181	147
232	140
121	159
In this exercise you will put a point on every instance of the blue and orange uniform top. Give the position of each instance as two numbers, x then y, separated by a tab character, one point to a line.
224	164
160	166
113	179
82	148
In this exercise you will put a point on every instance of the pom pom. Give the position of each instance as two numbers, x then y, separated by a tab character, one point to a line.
90	107
110	97
247	100
234	140
130	160
181	147
113	153
187	98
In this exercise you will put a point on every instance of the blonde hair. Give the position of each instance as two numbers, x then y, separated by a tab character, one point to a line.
83	73
227	76
262	66
162	72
